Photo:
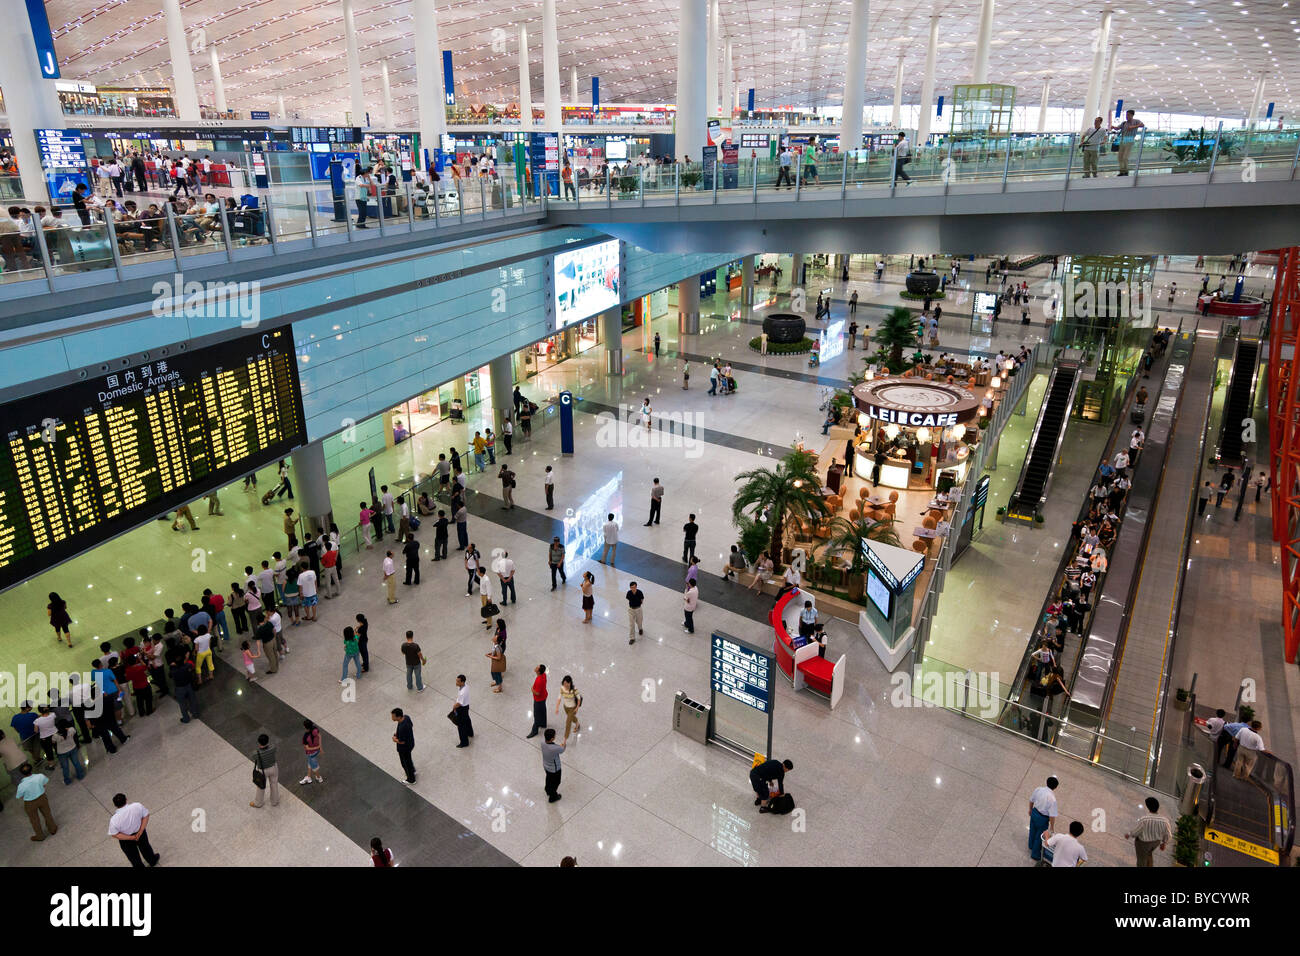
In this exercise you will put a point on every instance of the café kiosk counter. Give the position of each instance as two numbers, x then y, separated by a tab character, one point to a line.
804	666
926	410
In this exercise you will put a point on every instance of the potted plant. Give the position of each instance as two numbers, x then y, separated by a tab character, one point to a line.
1245	713
774	495
1038	519
850	537
896	332
1187	840
754	538
1181	698
1002	513
690	178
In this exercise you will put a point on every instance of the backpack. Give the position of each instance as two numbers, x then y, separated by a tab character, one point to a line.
782	804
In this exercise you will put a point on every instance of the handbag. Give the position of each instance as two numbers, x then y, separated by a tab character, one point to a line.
489	610
259	775
499	665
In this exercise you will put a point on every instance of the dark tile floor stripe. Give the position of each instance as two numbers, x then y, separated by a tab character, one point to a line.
709	435
360	799
634	563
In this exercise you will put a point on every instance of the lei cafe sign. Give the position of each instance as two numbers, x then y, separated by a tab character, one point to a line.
916	403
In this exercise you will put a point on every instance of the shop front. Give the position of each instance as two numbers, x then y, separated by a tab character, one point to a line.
447	401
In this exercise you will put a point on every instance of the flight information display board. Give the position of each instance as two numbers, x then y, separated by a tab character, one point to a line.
86	462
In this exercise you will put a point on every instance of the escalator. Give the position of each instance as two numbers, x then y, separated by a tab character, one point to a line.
1241	392
1045	442
1249	822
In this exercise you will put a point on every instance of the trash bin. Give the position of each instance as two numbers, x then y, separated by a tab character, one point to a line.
1192	789
691	718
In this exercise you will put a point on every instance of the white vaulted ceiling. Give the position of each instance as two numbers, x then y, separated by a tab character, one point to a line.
1187	56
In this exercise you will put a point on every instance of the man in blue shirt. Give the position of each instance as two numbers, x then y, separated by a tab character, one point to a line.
31	790
24	725
1230	750
107	692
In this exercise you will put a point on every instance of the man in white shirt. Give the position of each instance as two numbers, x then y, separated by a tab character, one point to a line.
1091	142
548	480
1217	737
386	505
1249	746
902	156
277	622
1042	816
460	711
1066	848
127	825
45	725
611	539
506	571
787	159
307	581
390	577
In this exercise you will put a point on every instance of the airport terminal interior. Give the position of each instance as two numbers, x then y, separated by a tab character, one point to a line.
698	433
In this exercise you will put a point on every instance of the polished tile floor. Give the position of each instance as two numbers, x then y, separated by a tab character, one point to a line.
879	783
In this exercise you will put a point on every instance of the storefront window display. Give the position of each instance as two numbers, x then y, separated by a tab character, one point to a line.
429	408
574	340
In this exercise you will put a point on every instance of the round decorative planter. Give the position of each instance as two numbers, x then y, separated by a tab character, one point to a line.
784	328
923	283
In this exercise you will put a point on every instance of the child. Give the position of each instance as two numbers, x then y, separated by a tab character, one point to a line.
250	669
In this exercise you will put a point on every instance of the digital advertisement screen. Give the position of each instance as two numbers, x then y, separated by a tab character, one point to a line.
586	282
616	149
89	461
878	591
984	302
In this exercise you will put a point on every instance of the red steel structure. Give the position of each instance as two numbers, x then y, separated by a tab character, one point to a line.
1284	436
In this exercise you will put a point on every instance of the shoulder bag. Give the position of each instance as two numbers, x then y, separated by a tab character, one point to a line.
259	775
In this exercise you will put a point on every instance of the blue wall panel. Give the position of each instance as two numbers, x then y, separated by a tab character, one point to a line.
361	358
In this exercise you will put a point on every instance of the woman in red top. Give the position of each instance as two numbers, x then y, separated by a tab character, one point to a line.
378	855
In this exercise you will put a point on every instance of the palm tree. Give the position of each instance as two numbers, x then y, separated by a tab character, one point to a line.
849	535
790	490
896	332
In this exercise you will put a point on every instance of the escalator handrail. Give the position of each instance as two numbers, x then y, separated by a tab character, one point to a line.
1232	384
1116	430
1060	434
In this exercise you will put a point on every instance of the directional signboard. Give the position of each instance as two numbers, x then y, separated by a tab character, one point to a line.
740	677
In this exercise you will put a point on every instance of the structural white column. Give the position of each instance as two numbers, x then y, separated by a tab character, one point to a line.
927	84
896	117
431	98
501	378
311	478
357	97
186	96
573	85
218	87
983	40
390	121
688	303
747	283
611	331
728	94
1106	104
711	63
1090	105
1042	105
525	83
31	102
1257	103
551	67
279	100
855	78
691	117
